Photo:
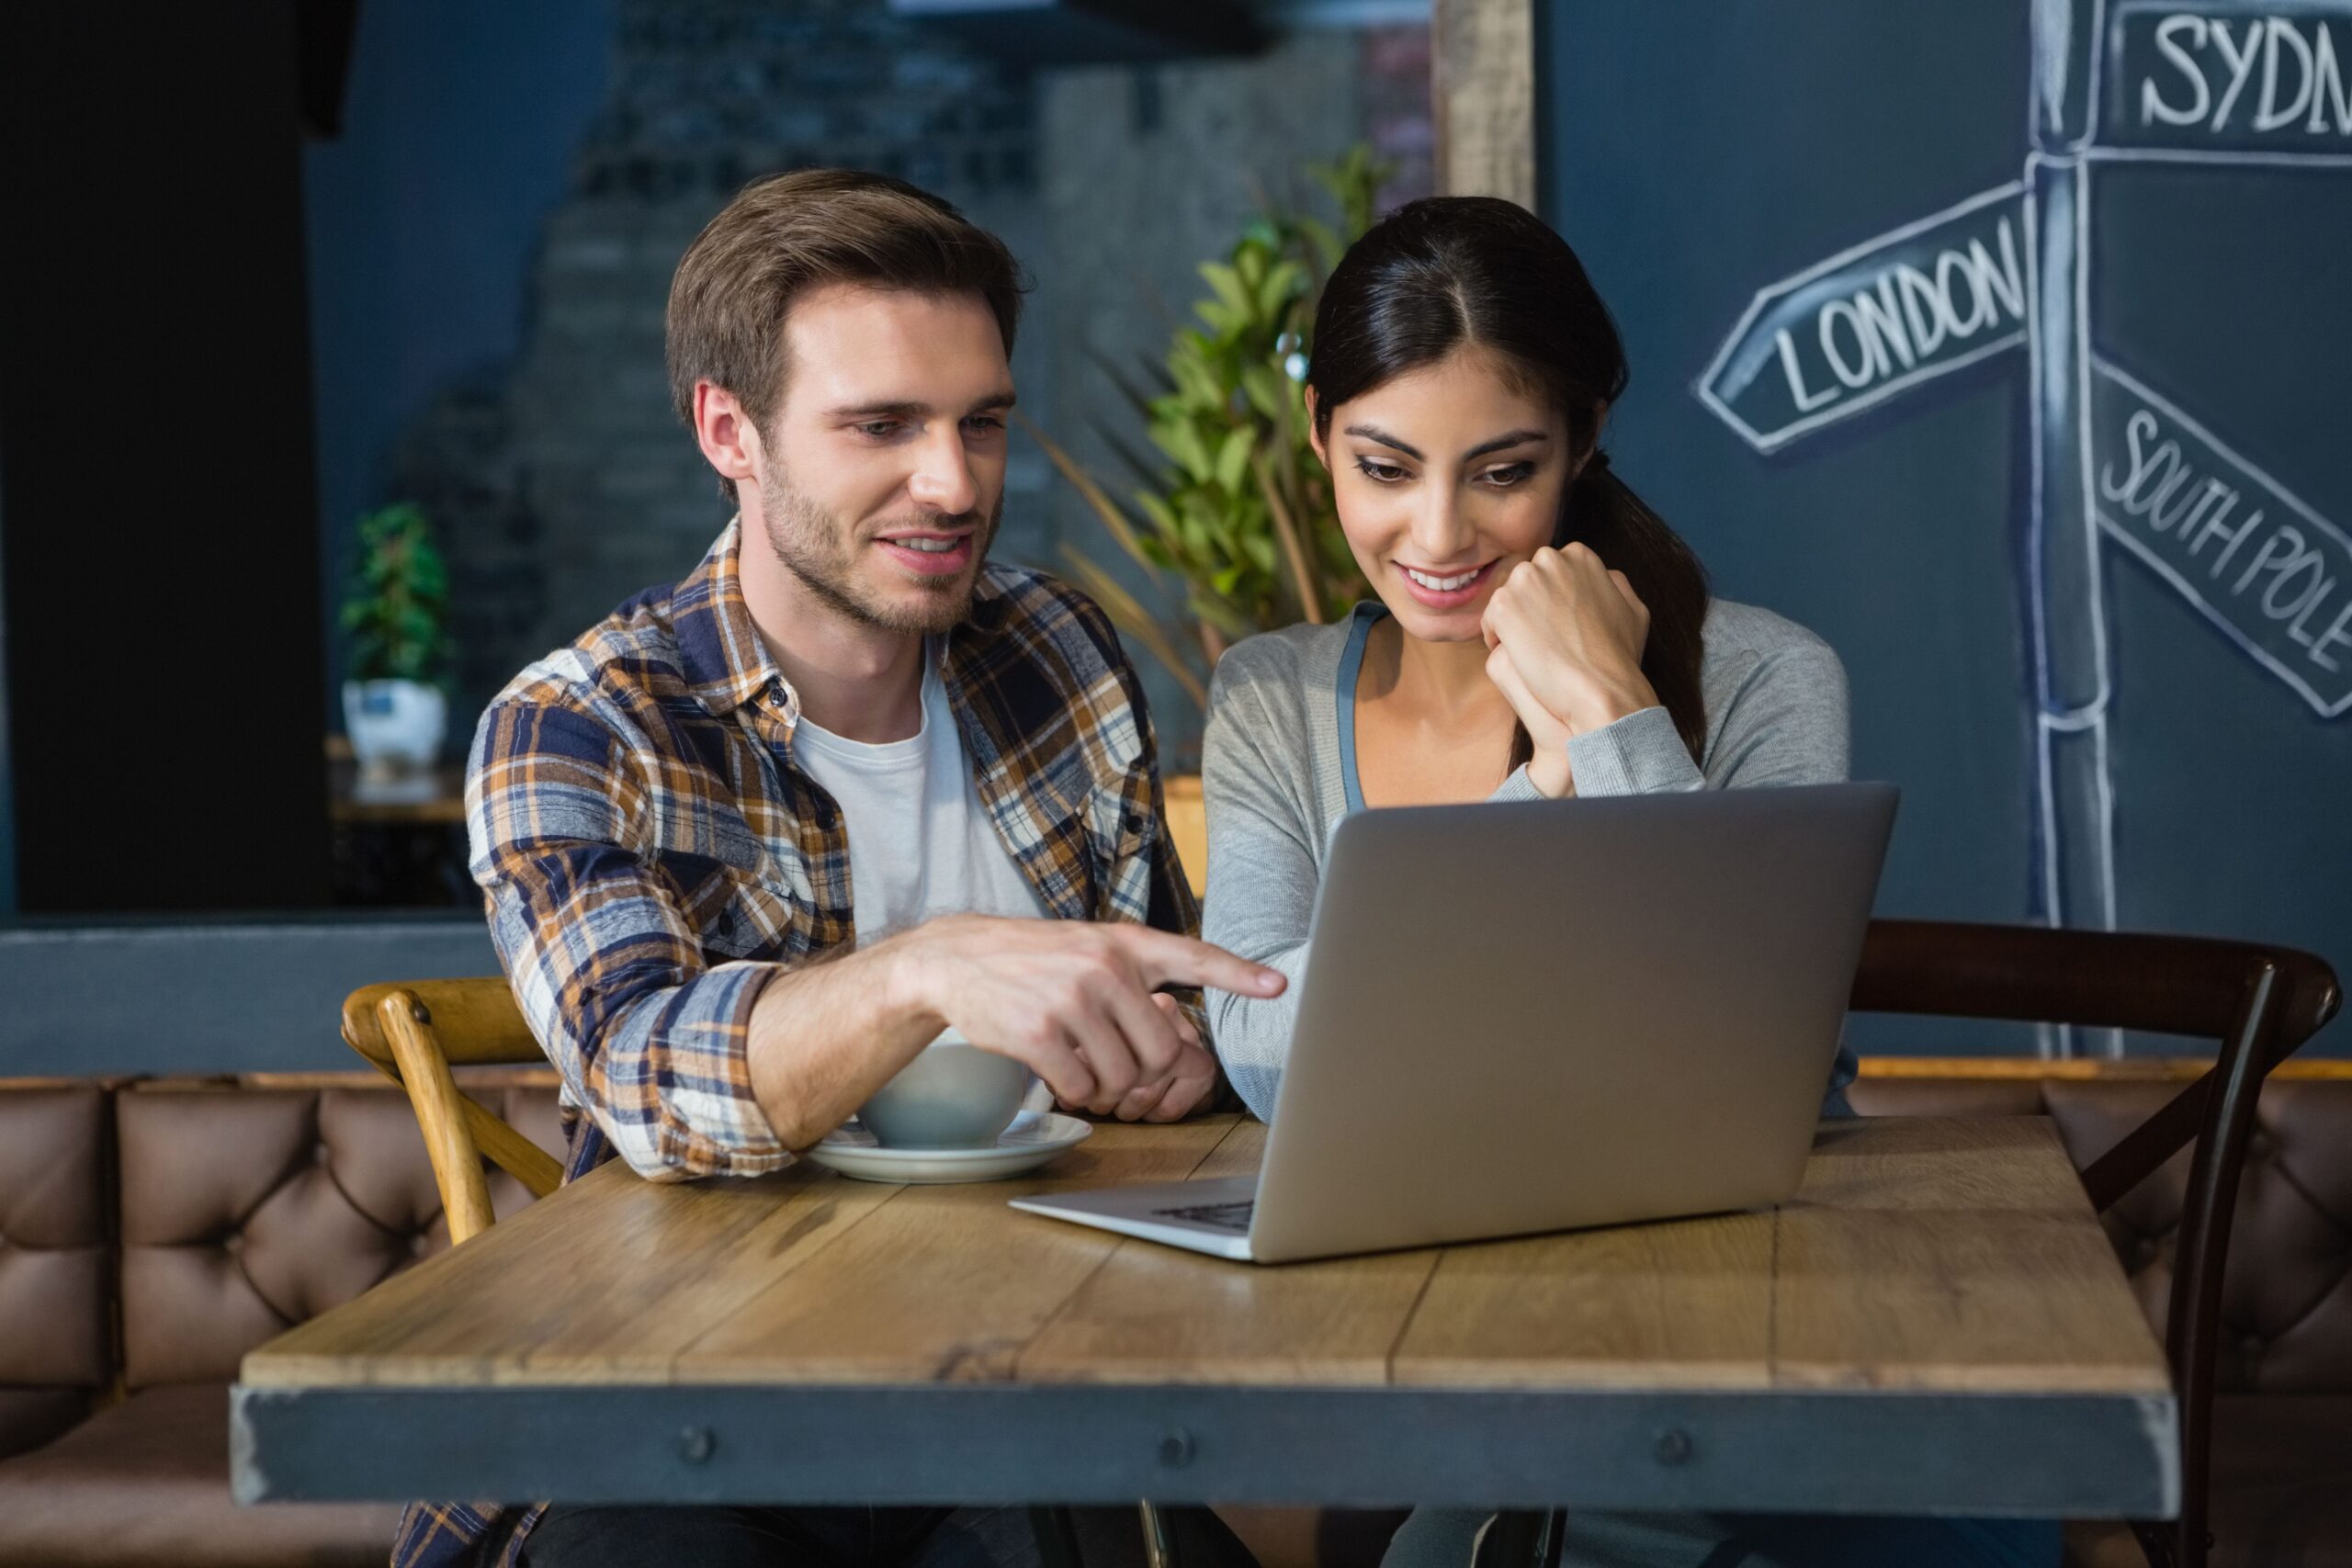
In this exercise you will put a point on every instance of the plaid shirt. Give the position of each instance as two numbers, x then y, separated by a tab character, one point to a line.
650	852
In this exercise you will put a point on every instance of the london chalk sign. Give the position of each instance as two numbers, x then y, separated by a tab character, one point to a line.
2137	82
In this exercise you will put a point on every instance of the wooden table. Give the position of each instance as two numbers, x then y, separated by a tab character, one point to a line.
1935	1323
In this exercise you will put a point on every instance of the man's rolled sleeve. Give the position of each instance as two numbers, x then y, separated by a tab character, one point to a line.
651	1039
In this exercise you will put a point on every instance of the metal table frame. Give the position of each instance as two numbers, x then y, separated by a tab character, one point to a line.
2018	1455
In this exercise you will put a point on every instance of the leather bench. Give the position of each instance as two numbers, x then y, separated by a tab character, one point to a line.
236	1211
153	1233
55	1358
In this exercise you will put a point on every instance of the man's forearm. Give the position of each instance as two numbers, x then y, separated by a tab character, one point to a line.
826	1035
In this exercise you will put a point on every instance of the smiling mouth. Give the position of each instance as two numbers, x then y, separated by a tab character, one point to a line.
938	555
1445	582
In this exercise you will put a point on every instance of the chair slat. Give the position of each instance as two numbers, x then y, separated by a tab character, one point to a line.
440	1114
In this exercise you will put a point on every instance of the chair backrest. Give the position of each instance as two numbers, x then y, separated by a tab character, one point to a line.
2258	1003
414	1031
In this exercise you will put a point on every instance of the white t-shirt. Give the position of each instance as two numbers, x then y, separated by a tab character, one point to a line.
921	844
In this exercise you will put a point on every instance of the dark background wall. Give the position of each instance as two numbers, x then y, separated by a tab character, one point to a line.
7	788
161	543
1693	164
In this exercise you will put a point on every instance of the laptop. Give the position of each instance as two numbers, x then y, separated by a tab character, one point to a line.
1545	1015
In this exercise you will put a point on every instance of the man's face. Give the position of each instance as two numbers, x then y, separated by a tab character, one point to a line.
881	476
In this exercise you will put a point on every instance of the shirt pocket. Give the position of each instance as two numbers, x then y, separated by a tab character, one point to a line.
736	904
1120	827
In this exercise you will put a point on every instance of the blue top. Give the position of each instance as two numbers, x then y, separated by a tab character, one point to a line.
1352	665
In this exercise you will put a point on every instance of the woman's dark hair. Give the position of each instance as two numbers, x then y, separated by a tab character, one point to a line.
1451	272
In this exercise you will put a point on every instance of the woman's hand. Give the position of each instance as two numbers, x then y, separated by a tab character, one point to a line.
1565	637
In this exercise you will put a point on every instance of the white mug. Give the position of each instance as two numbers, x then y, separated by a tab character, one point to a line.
952	1096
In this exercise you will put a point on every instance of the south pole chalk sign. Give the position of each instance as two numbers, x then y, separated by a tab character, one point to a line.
2132	81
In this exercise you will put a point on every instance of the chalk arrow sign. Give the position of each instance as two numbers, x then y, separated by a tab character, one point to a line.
2270	573
1869	322
2215	83
2229	84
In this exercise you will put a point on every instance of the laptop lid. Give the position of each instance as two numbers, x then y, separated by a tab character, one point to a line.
1540	1015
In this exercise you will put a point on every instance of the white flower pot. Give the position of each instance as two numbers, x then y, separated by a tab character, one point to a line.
395	726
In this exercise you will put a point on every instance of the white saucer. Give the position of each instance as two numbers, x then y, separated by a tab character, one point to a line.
1034	1138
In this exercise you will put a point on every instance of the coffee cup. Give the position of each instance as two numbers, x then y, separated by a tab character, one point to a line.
952	1096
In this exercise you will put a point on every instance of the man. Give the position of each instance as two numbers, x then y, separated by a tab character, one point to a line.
754	839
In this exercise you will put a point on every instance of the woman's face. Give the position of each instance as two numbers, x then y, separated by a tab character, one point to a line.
1446	477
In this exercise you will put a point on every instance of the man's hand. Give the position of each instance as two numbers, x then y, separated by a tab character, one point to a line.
1180	1093
1076	1002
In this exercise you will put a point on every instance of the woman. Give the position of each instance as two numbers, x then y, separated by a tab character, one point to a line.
1540	632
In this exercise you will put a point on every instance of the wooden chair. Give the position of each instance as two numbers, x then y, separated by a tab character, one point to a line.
2258	1004
414	1031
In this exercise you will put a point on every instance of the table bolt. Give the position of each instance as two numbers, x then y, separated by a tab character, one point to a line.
696	1444
1176	1449
1673	1447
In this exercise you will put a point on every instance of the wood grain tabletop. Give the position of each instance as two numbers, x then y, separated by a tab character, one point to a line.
1921	1254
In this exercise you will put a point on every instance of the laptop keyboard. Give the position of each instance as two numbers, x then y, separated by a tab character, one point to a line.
1233	1217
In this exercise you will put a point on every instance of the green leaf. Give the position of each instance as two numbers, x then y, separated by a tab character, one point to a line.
1162	517
1280	286
1233	458
1182	441
1193	531
1222	319
1227	283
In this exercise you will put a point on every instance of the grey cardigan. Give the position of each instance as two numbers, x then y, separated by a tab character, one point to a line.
1272	772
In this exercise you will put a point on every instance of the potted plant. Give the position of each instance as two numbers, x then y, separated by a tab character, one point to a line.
397	615
1235	506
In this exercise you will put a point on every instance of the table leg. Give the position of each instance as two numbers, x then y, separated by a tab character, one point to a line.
1057	1534
1516	1539
1158	1551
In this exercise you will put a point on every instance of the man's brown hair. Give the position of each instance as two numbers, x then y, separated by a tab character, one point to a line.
787	235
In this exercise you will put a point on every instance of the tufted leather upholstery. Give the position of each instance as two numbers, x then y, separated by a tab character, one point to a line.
242	1211
2282	1427
245	1211
54	1356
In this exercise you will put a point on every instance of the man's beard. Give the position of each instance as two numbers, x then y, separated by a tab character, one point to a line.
817	546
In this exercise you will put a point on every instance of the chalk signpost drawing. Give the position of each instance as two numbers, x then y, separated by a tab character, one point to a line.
2235	83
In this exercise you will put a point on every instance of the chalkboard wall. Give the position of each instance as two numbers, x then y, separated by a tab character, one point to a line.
1972	336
